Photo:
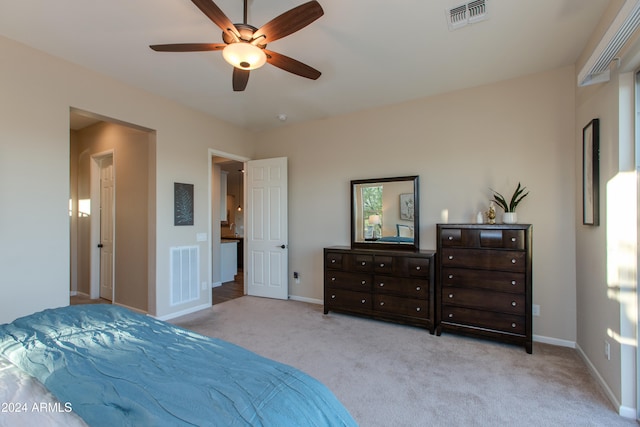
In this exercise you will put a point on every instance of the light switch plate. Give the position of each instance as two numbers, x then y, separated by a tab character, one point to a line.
201	237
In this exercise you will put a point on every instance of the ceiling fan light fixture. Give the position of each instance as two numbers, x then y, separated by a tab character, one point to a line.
244	55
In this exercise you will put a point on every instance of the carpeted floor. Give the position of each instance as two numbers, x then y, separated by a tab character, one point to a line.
395	375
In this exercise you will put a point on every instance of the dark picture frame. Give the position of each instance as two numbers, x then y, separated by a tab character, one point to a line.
182	204
591	173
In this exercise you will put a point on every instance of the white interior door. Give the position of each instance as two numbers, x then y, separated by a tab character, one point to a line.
106	227
266	234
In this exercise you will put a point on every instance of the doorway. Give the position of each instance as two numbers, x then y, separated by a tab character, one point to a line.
227	212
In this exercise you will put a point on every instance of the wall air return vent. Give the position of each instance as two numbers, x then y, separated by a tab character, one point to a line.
625	24
466	13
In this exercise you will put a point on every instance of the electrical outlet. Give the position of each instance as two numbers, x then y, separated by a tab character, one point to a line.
296	277
203	285
535	310
607	350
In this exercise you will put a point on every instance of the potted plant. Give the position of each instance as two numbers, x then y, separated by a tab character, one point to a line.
510	216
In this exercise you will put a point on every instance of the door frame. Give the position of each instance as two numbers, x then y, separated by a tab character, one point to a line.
211	154
95	223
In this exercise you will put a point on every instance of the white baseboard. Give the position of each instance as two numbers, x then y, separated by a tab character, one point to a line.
304	299
623	411
183	312
554	341
216	284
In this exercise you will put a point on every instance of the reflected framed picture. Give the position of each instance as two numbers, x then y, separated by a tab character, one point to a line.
406	207
182	204
591	173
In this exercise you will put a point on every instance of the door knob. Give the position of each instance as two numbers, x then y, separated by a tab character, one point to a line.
100	245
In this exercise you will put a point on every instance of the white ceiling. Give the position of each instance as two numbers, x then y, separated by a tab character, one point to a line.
370	52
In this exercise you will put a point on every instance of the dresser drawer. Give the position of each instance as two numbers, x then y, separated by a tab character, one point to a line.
335	260
487	259
412	288
494	280
383	264
451	237
346	280
418	267
484	319
363	263
484	300
398	305
348	300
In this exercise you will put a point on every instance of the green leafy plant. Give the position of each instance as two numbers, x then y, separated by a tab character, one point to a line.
515	199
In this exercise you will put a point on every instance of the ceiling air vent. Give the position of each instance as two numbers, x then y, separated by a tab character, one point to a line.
467	13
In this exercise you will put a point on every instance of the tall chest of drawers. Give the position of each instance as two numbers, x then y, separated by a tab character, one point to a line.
382	284
484	281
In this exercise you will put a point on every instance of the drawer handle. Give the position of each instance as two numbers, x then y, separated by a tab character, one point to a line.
333	297
513	325
450	237
513	303
364	263
333	279
450	295
381	284
513	282
513	261
450	256
418	268
363	301
333	261
417	308
417	288
382	264
513	239
451	276
381	302
364	282
450	315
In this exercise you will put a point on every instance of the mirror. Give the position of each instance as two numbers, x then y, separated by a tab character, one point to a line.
384	213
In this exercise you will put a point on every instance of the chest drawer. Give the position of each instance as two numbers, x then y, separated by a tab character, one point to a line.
398	305
412	288
346	280
482	238
349	300
487	259
484	319
498	281
484	300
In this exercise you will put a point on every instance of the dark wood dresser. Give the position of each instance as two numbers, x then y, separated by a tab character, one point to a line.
382	284
484	281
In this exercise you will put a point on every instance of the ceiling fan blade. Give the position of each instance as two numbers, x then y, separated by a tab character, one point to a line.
213	12
187	47
289	22
240	79
291	65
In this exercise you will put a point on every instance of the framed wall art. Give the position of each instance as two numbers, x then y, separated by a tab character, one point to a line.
182	204
406	207
591	173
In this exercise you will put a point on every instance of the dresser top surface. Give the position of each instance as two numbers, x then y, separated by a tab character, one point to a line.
399	252
486	226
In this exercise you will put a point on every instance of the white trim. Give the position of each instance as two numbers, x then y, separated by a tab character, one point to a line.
182	312
304	299
554	341
623	411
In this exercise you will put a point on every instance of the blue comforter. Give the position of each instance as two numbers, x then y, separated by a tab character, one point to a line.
117	368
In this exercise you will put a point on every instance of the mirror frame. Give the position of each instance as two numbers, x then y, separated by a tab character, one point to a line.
415	246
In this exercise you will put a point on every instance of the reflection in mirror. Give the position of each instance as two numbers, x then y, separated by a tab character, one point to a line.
384	213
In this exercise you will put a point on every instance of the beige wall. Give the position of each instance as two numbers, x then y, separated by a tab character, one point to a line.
607	255
38	91
460	144
130	149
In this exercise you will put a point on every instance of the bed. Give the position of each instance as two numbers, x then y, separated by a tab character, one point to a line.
111	366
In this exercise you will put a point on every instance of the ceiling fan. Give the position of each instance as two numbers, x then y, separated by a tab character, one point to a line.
244	45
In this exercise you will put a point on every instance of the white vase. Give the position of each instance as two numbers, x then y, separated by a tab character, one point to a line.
509	218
